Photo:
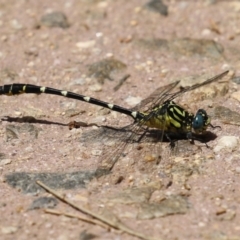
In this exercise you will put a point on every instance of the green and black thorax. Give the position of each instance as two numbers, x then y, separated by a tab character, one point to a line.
171	117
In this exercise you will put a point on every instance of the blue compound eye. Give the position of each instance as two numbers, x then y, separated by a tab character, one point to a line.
198	121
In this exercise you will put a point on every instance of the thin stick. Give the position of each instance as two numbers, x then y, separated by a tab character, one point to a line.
88	220
122	80
115	224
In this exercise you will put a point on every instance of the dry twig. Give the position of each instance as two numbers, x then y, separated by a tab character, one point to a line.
116	223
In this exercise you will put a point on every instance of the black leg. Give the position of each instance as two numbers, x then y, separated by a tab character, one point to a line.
172	142
191	137
215	126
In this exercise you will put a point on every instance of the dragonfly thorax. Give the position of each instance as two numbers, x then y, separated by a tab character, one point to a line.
173	118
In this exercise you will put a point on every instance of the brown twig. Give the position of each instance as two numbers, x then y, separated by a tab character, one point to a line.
122	80
88	220
117	224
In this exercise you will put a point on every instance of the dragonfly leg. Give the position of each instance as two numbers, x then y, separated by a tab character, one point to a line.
193	137
214	126
172	141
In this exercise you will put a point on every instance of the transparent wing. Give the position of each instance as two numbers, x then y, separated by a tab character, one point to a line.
165	93
113	144
195	86
159	95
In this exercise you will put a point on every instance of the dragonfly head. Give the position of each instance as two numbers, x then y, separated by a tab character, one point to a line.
201	121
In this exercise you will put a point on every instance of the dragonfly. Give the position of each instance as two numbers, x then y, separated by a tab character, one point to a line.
164	114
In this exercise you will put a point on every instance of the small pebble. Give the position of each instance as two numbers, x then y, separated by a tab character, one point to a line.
86	44
31	64
132	101
236	95
5	162
157	6
227	142
4	38
235	5
201	224
102	4
236	79
133	23
109	55
206	32
78	81
32	52
99	34
8	230
55	19
16	25
18	113
96	152
95	88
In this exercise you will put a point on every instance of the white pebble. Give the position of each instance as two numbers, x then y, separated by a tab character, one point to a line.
78	81
95	88
99	34
86	44
227	142
132	101
5	162
236	95
96	152
16	25
206	32
8	229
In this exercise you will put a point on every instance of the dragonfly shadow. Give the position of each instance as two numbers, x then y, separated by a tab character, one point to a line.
30	119
146	135
207	137
143	136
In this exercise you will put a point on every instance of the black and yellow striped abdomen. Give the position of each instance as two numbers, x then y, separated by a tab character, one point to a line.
170	117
